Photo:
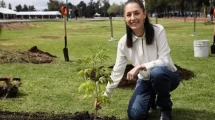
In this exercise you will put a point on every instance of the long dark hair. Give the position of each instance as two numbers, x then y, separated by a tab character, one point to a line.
149	31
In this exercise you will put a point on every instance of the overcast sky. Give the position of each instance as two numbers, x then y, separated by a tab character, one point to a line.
42	4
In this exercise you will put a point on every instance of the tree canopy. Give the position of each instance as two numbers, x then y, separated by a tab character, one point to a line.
103	7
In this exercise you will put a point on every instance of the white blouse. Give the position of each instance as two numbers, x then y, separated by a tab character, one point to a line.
156	54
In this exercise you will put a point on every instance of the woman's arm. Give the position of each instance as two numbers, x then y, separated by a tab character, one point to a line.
118	71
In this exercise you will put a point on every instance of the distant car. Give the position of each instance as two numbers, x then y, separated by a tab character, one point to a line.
97	15
154	14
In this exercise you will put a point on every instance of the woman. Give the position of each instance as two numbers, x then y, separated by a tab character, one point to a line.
145	46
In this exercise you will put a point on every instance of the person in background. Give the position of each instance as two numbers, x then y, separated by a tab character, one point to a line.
145	46
76	13
212	13
70	13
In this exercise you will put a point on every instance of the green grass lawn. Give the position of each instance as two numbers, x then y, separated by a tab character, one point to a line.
53	87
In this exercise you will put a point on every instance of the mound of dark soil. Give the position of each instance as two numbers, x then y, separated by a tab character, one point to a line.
5	115
33	55
124	83
184	73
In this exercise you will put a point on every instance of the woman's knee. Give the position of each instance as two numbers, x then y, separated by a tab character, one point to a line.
160	80
158	72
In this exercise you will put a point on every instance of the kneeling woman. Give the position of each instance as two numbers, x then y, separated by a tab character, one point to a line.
145	45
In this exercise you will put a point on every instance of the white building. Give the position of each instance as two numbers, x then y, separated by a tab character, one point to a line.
7	13
10	14
38	14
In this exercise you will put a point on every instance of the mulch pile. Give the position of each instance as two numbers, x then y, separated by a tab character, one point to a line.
185	74
5	115
19	26
33	55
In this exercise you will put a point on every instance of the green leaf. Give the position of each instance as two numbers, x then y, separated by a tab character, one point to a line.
103	99
82	87
85	71
89	71
102	80
81	73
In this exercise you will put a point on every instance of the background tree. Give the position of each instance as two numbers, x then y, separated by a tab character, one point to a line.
71	6
55	5
31	8
121	10
114	10
177	8
204	4
97	6
90	10
2	4
18	8
9	6
150	6
25	7
104	8
82	8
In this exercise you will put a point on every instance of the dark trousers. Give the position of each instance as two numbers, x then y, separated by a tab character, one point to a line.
162	81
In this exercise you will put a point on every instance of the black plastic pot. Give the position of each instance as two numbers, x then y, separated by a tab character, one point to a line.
6	92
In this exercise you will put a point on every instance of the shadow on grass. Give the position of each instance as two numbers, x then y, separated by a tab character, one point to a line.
4	39
185	114
21	94
189	114
212	55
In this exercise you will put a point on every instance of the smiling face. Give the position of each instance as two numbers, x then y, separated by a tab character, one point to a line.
134	17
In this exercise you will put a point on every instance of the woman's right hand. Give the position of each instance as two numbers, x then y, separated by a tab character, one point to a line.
97	104
132	74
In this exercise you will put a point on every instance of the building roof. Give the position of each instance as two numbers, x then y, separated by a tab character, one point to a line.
39	13
7	11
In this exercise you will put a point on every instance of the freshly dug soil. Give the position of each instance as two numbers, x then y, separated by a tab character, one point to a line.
33	55
5	115
124	83
19	26
184	73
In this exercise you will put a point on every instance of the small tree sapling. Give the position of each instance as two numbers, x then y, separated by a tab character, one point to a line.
94	74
